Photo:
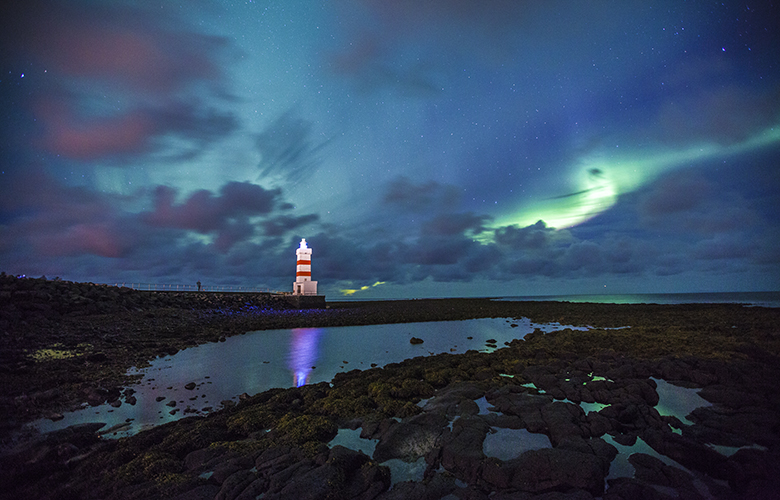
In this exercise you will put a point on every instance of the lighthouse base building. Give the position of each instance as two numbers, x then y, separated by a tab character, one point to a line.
304	293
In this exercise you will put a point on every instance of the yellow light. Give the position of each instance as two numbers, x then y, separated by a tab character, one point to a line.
352	291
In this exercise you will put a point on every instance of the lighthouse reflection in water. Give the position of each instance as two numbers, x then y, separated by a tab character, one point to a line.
303	353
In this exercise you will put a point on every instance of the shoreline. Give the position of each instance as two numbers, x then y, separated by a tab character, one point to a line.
729	350
89	353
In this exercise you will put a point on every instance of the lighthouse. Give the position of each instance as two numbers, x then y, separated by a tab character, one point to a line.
303	284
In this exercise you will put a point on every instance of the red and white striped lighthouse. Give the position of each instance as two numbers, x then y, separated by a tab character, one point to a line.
303	284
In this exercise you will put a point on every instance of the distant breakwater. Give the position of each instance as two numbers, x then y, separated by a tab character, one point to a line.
25	298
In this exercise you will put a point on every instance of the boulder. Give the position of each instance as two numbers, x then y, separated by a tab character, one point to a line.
344	474
462	447
562	421
439	486
455	400
410	439
538	471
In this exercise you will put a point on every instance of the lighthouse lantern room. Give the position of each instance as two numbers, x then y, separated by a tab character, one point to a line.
303	284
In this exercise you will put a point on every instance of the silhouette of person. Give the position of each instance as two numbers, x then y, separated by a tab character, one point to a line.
198	285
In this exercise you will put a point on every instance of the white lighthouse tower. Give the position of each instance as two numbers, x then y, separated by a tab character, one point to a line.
303	284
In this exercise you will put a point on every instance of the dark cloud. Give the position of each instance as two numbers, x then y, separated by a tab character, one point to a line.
722	247
459	223
113	81
374	69
342	258
60	220
278	226
687	201
402	45
145	50
402	193
437	250
404	18
289	150
722	113
534	237
203	211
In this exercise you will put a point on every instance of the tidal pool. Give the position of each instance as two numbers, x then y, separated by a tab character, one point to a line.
262	360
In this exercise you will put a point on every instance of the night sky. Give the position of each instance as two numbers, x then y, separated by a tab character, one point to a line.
422	148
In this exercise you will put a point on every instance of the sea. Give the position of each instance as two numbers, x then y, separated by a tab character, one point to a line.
754	299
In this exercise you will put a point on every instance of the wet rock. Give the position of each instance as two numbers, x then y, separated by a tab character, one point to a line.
461	448
547	469
751	471
190	386
562	421
652	470
45	396
730	396
439	486
415	340
503	421
171	403
598	425
337	473
373	429
235	484
202	492
96	397
410	439
513	400
97	357
683	450
455	399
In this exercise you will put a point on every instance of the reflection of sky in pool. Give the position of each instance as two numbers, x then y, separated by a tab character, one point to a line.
399	470
678	401
258	361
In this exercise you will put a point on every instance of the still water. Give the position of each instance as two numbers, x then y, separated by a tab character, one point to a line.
258	361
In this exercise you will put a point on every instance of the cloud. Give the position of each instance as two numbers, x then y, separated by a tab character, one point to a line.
686	201
116	81
676	193
80	139
60	220
725	114
145	50
402	193
282	224
406	17
405	45
203	211
288	149
723	247
457	223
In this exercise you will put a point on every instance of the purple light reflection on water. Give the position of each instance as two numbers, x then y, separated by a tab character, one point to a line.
303	353
262	360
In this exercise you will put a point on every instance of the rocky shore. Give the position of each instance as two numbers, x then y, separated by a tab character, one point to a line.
67	343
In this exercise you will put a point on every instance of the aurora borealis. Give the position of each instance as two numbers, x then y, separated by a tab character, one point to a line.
439	148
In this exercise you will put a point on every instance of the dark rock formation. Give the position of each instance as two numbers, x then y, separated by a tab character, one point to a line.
274	444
